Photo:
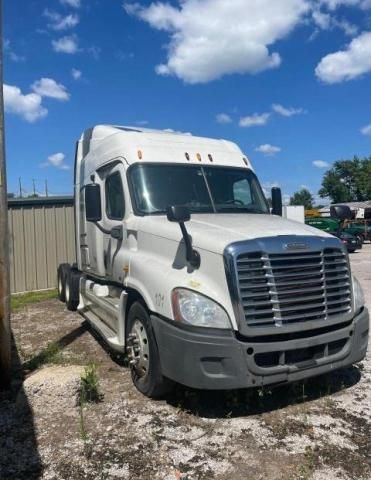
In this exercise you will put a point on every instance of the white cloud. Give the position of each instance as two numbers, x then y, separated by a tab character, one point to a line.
366	130
286	112
347	27
47	87
213	38
95	52
255	120
267	187
76	74
347	64
324	21
9	52
321	164
267	149
223	118
71	3
60	22
333	4
56	160
27	106
67	44
321	19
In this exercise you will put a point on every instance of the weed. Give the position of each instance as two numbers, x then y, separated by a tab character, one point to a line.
83	432
19	301
51	354
305	471
90	389
89	392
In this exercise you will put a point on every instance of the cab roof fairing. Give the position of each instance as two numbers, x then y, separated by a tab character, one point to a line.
101	144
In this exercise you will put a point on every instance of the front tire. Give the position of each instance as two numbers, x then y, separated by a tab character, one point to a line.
143	354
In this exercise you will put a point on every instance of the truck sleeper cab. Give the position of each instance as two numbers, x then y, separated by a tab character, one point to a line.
181	265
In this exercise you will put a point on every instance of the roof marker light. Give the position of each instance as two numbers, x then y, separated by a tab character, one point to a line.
245	161
210	157
187	156
198	157
140	154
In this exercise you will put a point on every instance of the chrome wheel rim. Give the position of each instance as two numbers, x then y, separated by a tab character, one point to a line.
138	349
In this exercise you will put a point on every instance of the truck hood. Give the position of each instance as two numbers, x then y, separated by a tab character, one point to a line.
213	232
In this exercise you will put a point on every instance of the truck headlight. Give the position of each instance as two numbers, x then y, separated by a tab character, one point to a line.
194	309
358	295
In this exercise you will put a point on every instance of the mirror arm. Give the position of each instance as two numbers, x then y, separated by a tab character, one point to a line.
102	229
192	256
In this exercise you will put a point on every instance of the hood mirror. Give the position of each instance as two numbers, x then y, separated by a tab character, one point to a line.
181	214
178	213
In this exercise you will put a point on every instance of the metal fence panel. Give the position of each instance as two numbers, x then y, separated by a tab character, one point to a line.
41	236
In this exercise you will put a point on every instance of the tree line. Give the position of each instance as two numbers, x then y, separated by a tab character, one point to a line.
345	181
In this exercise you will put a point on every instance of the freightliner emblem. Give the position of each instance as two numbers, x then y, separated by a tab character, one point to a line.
295	246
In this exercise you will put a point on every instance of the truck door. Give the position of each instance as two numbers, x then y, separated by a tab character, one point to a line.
114	217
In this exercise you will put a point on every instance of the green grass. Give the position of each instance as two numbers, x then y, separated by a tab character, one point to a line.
51	354
22	300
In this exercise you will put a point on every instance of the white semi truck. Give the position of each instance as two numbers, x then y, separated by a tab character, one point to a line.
182	266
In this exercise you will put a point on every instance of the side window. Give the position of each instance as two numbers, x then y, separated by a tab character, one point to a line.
115	201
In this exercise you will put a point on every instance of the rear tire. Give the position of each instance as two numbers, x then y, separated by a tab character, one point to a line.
61	280
143	354
72	289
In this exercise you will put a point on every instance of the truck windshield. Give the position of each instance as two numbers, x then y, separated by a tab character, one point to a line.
202	189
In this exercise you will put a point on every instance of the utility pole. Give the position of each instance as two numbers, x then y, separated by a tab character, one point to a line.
46	188
20	187
34	187
5	334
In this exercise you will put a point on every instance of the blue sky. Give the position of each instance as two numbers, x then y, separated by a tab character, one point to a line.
288	80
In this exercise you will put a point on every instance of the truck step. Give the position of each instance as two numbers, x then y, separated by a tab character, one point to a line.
108	304
104	330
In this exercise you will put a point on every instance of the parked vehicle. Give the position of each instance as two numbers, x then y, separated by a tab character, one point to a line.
326	224
181	265
360	228
352	242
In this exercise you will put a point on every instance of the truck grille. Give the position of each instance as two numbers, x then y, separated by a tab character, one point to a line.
281	289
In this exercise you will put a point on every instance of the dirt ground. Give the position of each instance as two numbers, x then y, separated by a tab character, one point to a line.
320	430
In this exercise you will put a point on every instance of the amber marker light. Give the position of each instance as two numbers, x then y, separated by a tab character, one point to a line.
140	154
198	157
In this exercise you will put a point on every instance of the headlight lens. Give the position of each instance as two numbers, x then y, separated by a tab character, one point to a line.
358	295
194	309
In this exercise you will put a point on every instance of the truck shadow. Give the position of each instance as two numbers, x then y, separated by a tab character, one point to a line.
19	455
240	403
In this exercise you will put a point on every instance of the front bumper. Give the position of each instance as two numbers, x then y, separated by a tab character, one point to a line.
217	360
